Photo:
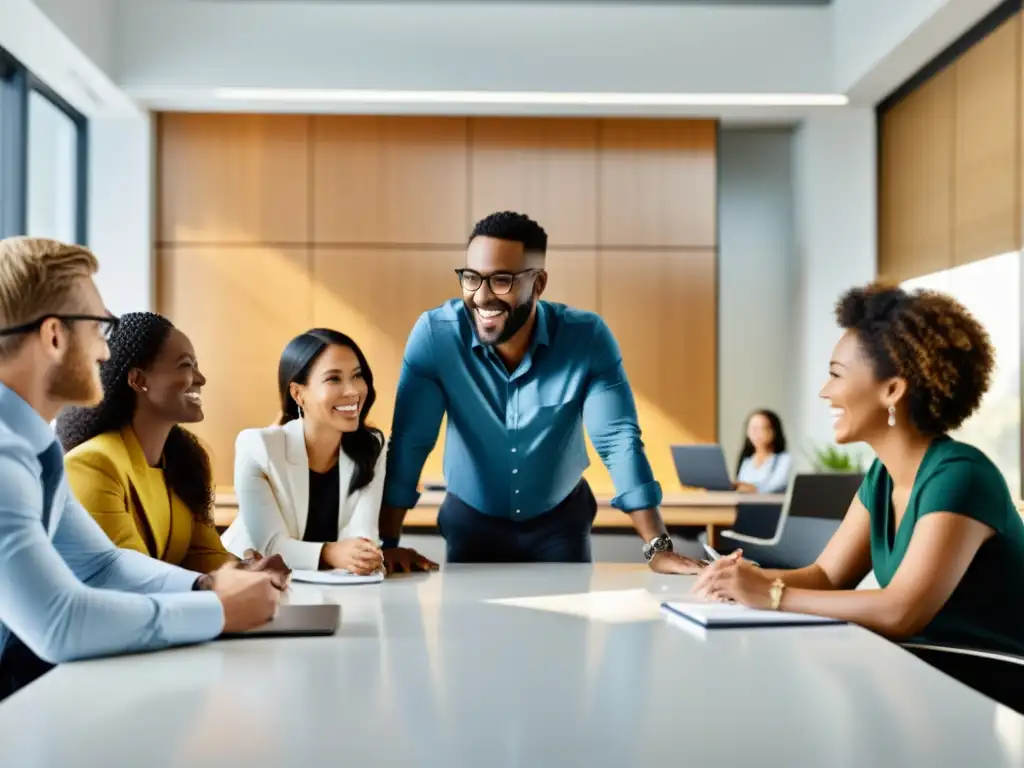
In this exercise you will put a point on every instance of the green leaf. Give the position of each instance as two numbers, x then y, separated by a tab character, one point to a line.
831	458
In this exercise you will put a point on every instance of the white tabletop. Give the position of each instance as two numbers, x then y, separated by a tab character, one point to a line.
426	671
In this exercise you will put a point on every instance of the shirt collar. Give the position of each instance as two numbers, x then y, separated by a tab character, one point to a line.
22	419
541	332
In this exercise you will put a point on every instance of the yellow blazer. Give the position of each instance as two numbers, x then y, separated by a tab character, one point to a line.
131	502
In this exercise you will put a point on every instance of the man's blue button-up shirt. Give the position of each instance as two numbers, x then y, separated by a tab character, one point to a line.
514	445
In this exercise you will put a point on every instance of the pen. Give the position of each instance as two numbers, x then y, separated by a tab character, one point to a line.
712	553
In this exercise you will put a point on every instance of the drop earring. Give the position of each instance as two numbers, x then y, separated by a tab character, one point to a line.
892	415
300	410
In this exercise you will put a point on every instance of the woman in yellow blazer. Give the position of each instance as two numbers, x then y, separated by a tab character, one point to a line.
145	479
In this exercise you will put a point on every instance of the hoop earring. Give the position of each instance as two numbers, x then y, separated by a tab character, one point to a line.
892	415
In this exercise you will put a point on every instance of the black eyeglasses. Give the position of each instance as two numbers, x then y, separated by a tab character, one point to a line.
108	324
500	283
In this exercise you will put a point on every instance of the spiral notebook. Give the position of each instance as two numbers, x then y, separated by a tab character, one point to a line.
336	577
731	615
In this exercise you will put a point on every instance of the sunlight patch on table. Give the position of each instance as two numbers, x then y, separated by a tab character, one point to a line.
616	606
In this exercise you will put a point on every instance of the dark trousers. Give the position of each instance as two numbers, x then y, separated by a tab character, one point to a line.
561	535
19	667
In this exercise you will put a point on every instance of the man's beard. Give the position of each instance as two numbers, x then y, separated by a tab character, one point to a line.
74	381
515	319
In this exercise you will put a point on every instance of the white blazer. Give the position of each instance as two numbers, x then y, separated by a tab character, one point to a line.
272	487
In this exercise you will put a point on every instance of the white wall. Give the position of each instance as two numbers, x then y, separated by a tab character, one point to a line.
36	41
757	268
89	24
834	172
122	187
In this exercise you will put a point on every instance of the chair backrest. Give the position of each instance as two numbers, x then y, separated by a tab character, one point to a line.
999	676
815	505
822	495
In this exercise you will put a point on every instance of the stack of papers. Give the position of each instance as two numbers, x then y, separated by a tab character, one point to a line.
336	577
712	615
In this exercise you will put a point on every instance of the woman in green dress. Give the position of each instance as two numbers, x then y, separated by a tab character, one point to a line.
934	517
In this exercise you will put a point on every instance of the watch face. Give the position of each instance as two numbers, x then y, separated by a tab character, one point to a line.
660	544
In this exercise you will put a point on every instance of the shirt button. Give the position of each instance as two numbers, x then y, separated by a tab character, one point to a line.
513	450
515	471
517	511
517	490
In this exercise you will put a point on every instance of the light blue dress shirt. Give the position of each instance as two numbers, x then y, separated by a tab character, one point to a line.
770	477
65	590
514	445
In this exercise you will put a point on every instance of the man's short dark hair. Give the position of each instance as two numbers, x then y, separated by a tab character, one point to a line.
515	227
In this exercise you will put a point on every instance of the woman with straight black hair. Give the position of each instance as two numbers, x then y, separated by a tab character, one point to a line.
764	465
309	487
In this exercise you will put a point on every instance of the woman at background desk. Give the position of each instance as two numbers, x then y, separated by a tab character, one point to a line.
309	488
764	465
146	480
934	517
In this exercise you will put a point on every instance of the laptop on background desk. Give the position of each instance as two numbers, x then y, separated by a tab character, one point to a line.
702	466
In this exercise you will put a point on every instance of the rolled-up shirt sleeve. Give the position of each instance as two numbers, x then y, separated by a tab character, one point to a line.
419	409
610	417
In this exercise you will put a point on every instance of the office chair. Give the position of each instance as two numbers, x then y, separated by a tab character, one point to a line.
815	504
1000	676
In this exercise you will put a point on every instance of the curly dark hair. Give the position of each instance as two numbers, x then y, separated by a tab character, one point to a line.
515	227
363	445
136	343
929	339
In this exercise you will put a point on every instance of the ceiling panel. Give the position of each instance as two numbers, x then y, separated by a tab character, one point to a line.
561	2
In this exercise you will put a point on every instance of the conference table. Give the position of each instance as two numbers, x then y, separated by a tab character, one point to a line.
512	665
713	510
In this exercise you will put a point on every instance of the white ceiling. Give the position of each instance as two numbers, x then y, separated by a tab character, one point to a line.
329	55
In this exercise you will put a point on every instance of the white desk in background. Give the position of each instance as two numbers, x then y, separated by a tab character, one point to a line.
713	510
426	671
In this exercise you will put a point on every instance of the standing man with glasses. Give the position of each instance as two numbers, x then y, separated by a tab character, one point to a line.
519	378
66	592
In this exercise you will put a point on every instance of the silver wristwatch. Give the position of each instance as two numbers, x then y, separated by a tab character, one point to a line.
658	544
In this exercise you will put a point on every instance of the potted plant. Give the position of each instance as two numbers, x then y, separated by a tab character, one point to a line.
832	458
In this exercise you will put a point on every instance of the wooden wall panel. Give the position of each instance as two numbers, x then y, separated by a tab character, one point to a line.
239	306
986	192
658	183
573	279
233	178
376	296
378	209
390	180
662	308
545	168
916	210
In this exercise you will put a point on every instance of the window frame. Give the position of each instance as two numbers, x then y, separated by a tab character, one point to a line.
16	85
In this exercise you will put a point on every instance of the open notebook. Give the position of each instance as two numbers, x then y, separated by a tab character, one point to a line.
336	577
715	615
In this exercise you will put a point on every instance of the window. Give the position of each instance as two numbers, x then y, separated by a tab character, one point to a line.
52	176
42	159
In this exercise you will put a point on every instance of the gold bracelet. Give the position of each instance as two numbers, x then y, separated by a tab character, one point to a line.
775	594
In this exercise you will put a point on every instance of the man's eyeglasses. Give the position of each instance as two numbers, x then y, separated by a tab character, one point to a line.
107	323
500	283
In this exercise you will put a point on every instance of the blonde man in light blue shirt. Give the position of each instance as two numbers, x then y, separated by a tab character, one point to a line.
66	592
